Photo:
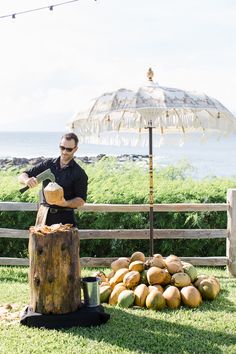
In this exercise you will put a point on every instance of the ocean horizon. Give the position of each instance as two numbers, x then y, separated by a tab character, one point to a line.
210	158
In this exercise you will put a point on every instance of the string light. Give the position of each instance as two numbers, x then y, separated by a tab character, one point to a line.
37	9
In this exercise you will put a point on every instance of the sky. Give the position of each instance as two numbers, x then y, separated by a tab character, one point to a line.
53	63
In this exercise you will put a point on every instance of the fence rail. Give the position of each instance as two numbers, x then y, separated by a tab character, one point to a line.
229	234
124	208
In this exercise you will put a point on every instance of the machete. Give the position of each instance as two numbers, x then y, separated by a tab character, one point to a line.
47	174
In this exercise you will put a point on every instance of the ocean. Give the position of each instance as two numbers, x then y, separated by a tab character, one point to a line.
215	157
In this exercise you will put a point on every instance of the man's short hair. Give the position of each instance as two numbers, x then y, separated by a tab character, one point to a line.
70	136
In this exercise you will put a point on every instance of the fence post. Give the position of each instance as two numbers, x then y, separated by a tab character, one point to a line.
231	226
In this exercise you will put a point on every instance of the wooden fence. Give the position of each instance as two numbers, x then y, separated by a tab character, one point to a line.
229	234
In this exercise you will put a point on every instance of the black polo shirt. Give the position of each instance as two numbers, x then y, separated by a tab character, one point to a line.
71	178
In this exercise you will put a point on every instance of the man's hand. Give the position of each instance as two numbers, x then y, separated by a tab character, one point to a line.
31	182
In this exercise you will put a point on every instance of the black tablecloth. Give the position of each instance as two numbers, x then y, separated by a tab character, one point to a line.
83	317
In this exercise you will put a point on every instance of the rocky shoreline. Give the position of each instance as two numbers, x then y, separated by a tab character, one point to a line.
19	162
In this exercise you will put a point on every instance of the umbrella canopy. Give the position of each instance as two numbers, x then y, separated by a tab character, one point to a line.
167	109
151	107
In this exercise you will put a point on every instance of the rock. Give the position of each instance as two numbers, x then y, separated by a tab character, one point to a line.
9	163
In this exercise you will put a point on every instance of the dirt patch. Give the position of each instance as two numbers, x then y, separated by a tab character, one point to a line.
10	313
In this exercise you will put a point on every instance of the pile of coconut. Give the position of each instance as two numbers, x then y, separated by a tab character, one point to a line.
155	283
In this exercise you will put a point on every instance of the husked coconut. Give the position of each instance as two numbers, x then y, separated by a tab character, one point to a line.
119	263
53	193
137	256
158	261
172	257
174	266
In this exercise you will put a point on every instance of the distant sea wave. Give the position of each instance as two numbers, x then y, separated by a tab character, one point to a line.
212	158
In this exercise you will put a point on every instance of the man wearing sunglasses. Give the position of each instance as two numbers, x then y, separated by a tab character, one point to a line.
68	174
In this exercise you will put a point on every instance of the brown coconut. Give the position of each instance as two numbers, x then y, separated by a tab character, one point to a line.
172	297
172	257
167	279
131	279
174	266
208	288
119	275
120	263
180	280
137	256
53	193
115	293
158	261
140	292
137	265
191	296
216	281
156	287
155	275
200	277
112	282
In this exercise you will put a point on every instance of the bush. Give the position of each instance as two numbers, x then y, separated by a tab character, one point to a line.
127	183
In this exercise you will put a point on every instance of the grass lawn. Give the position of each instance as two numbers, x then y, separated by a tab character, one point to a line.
211	328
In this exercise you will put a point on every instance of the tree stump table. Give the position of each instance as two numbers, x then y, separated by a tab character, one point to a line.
54	273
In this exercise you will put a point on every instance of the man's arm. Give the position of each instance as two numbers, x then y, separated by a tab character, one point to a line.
31	182
72	203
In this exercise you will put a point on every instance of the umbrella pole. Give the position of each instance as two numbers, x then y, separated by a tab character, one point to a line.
150	127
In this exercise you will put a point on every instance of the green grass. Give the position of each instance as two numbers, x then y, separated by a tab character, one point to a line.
211	328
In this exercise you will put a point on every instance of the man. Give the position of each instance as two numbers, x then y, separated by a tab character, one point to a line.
68	174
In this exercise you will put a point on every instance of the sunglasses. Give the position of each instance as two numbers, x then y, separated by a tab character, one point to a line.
67	149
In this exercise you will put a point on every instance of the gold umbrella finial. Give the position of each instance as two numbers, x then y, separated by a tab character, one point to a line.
150	74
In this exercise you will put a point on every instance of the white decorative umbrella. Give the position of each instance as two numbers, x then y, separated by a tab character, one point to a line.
151	107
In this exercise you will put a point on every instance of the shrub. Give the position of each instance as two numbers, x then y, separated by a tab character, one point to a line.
127	183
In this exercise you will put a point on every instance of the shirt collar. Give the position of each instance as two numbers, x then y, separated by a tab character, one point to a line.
70	164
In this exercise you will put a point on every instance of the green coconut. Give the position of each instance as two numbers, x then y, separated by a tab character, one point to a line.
105	292
155	300
191	271
126	298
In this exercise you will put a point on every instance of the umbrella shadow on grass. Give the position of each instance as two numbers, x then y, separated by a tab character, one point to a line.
133	330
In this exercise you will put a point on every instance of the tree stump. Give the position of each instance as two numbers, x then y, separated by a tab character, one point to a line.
54	273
